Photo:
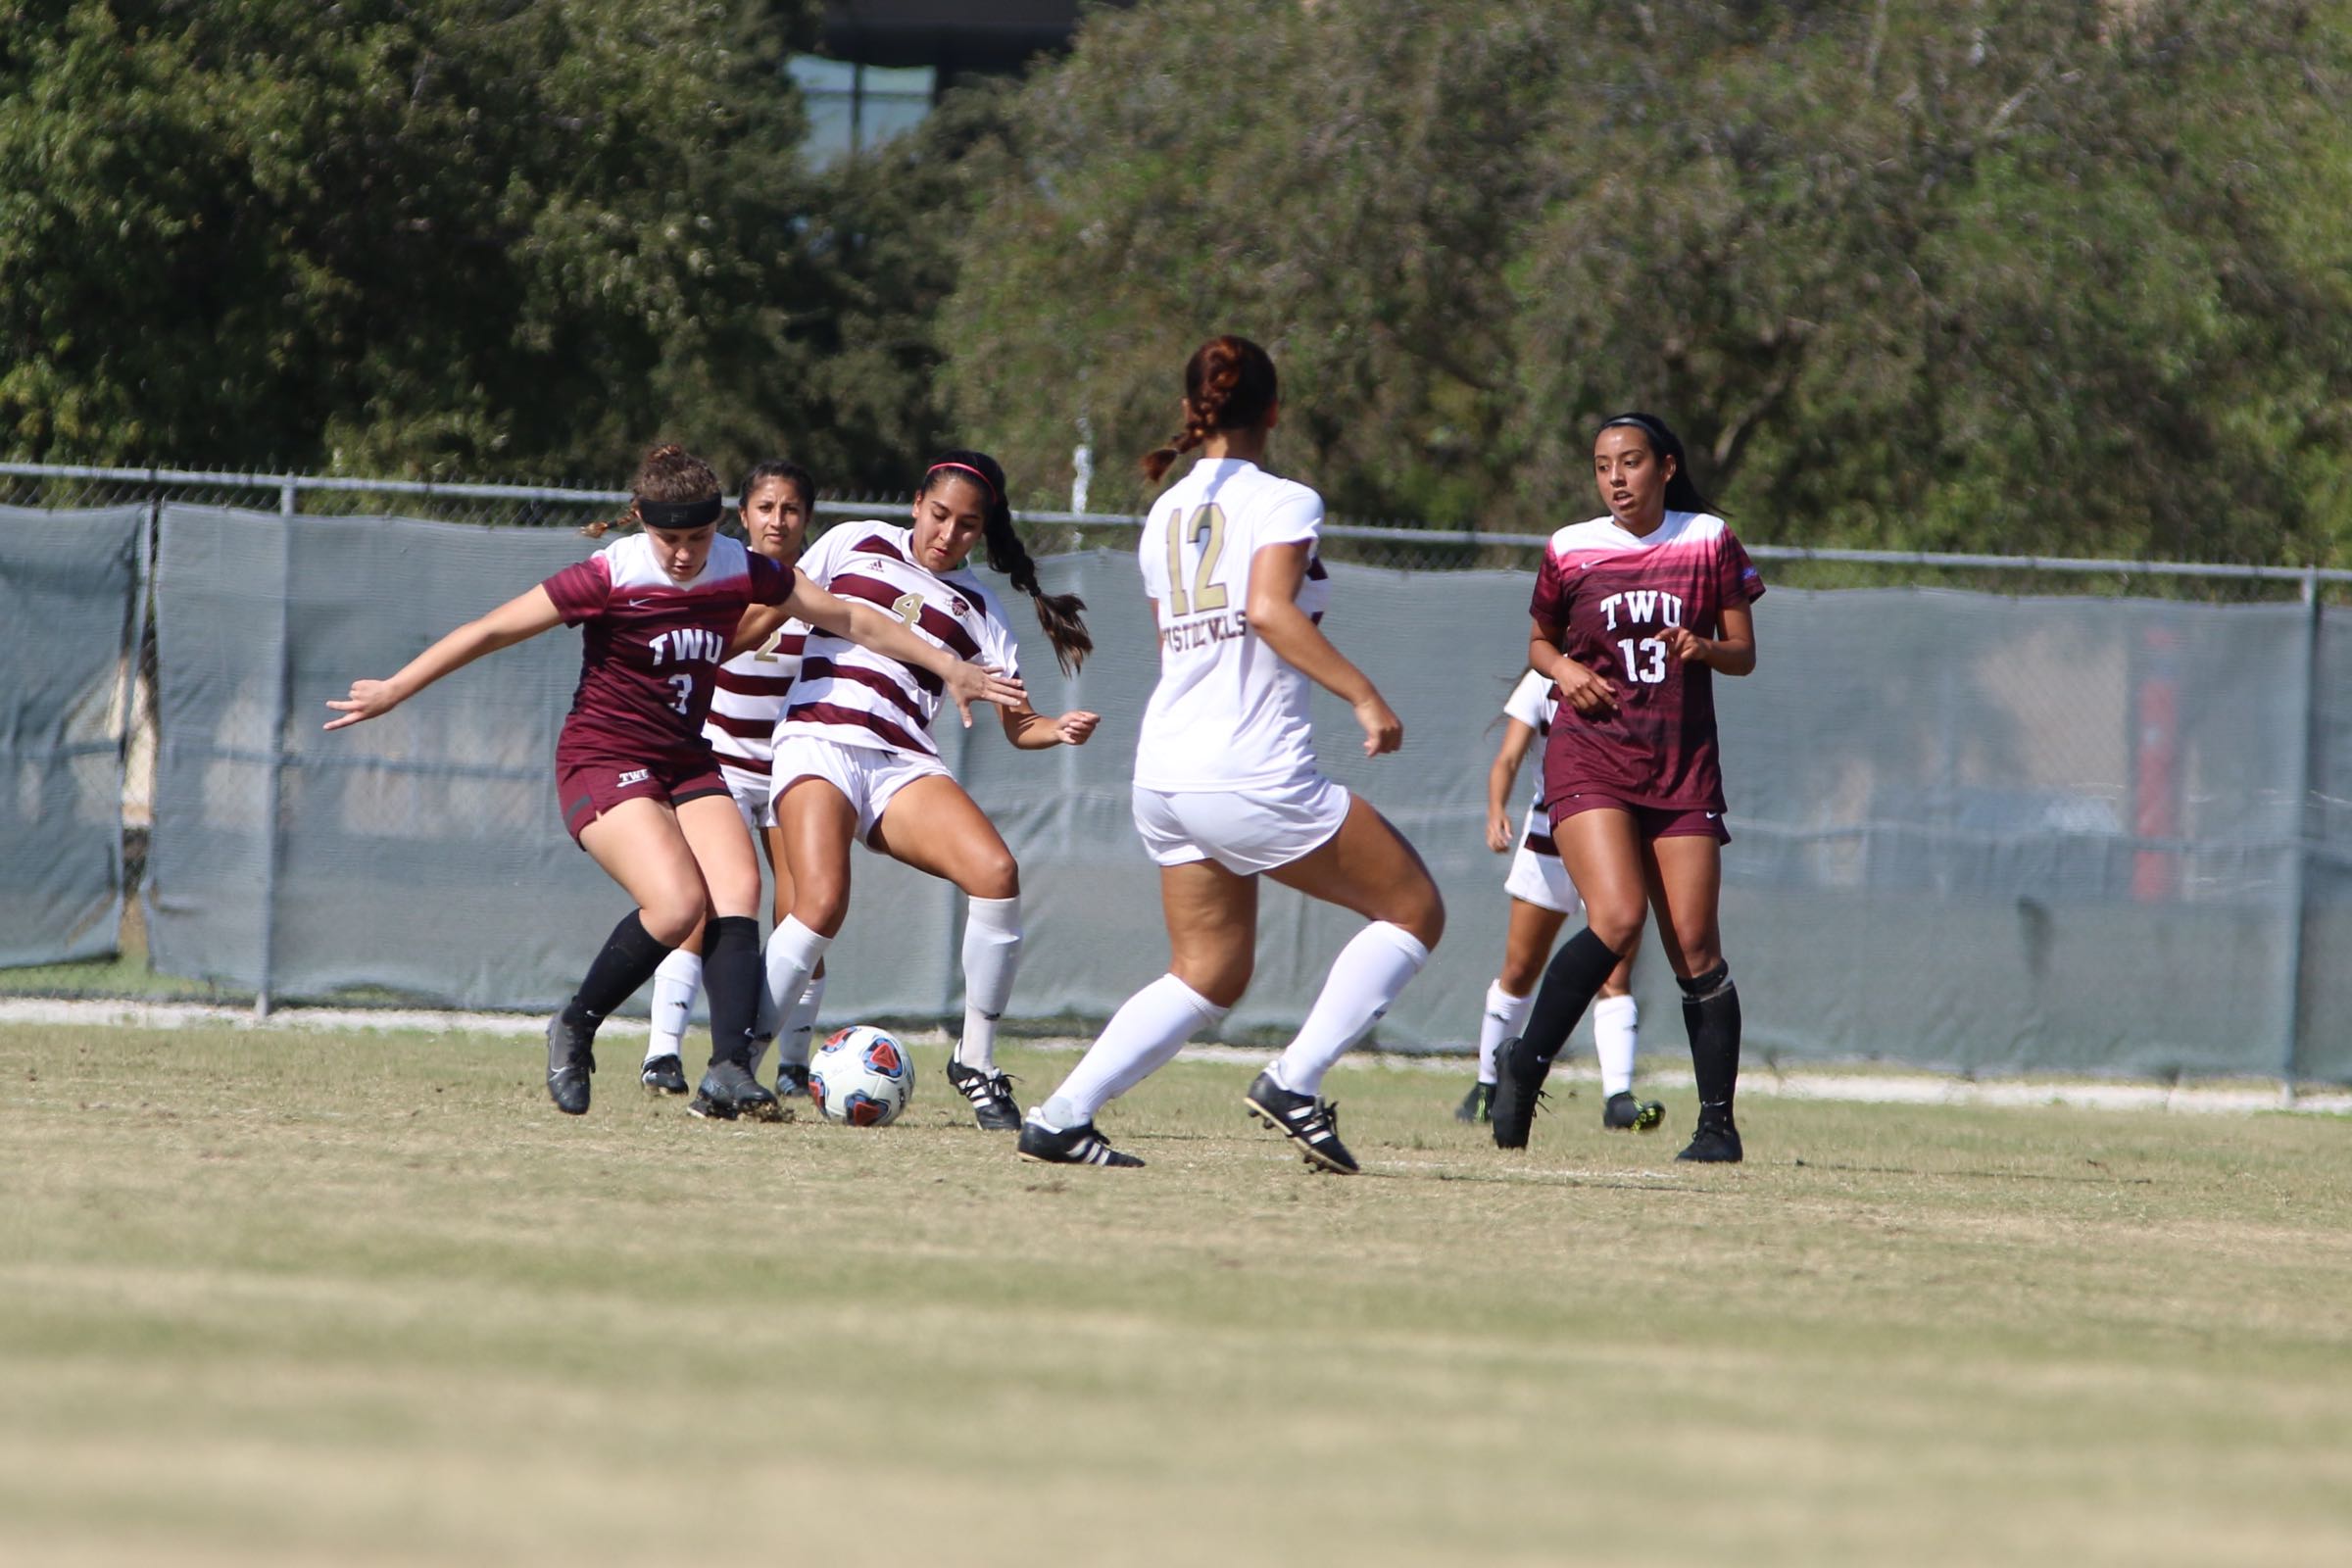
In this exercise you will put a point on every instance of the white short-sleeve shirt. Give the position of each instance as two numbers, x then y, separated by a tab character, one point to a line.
1227	712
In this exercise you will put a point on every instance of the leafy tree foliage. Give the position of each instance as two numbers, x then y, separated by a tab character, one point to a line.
2011	275
378	236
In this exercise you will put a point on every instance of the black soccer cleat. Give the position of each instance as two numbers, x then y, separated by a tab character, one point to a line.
791	1080
1071	1146
1716	1142
1519	1075
1624	1111
662	1075
1477	1105
1306	1121
991	1094
570	1059
728	1091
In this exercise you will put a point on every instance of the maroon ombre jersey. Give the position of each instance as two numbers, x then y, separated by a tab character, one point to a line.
650	644
1612	596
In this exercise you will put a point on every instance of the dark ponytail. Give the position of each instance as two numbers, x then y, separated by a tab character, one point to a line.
1681	491
1056	613
1229	384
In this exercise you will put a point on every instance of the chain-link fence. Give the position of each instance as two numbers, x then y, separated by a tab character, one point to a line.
1983	831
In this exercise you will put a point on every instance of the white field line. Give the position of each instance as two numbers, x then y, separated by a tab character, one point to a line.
1869	1087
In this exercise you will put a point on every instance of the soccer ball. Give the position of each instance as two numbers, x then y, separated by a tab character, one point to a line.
862	1076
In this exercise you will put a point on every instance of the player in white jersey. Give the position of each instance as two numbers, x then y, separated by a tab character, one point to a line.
1225	781
746	700
1541	899
854	759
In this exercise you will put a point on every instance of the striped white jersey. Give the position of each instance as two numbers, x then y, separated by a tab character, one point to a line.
857	697
1534	702
749	697
1229	713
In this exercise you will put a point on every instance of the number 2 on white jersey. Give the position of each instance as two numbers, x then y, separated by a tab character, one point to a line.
1208	594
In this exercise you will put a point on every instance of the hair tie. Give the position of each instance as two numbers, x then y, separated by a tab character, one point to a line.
965	467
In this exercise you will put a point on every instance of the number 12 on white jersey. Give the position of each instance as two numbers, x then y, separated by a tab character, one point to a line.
1207	525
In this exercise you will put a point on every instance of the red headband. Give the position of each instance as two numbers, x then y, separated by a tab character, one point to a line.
967	469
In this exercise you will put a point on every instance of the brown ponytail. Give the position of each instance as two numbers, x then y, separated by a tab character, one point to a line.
669	473
1229	384
1056	613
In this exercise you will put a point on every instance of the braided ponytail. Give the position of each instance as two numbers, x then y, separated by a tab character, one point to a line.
1056	613
1229	384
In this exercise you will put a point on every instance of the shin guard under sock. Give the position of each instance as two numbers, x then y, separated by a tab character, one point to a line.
731	975
1571	981
627	960
1711	1013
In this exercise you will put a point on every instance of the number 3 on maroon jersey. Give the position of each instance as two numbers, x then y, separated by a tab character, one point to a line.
684	701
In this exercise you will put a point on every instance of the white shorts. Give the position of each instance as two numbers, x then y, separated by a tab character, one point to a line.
870	776
1244	831
754	796
1541	880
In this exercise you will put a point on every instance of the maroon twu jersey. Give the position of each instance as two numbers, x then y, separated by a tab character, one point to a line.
650	644
1610	596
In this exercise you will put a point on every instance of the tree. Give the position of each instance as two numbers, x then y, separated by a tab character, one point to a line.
2013	274
410	236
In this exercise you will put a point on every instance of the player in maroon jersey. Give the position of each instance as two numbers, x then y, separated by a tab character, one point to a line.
1634	614
635	778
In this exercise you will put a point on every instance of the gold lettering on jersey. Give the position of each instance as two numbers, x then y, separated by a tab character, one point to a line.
908	607
1190	636
1206	525
766	653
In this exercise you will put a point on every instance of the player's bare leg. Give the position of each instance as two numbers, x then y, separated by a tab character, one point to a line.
1602	852
934	826
815	825
1686	882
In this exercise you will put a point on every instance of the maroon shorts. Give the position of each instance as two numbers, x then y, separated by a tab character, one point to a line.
587	787
1652	822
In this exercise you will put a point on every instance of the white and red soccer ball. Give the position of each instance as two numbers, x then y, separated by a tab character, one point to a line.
862	1076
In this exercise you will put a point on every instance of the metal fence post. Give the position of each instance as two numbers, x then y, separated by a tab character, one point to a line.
273	785
2299	867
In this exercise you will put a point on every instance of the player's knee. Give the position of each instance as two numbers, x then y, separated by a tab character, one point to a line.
993	876
820	905
1521	972
1617	922
1219	979
1425	916
673	917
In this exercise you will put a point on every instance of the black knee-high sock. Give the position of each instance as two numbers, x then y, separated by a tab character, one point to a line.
731	973
1711	1013
628	960
1571	981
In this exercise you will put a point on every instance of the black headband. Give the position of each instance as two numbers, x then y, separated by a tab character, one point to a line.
678	514
1658	439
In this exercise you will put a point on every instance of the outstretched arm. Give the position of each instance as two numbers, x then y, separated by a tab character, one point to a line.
887	635
519	618
1033	731
1275	574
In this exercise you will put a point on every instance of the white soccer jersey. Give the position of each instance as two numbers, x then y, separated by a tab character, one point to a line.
748	696
1228	712
857	697
1535	702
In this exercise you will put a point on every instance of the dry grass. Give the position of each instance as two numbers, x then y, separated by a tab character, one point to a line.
307	1298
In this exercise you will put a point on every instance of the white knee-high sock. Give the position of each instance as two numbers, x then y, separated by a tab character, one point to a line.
1143	1036
1364	979
792	1045
793	953
1505	1015
1615	1022
675	984
992	952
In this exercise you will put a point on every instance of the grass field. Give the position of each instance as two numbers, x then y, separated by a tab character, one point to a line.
275	1298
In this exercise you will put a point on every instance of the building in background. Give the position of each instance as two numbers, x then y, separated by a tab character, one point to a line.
881	64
